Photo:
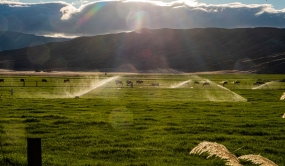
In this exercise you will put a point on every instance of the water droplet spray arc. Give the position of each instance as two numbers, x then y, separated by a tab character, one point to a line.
282	97
263	85
231	96
237	97
93	86
180	84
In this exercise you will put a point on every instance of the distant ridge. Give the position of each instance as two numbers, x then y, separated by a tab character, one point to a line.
256	50
14	40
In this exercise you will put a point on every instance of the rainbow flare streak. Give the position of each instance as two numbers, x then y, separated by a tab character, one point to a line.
90	13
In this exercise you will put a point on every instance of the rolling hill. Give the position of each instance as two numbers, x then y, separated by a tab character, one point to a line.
259	50
14	40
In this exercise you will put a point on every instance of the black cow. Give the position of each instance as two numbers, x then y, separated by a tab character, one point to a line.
139	81
66	80
236	82
2	80
206	83
196	82
155	84
22	80
44	80
129	82
257	83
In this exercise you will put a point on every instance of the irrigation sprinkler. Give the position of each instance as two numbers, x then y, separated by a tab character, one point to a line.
34	152
93	86
180	84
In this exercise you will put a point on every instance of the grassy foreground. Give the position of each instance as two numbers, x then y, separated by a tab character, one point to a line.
144	125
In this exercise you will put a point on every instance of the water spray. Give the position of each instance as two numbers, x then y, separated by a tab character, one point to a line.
94	86
262	85
283	96
234	96
180	84
238	97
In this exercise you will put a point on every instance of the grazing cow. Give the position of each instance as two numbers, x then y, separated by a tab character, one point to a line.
155	84
257	83
1	80
22	80
206	83
129	82
118	82
139	81
224	83
196	82
236	82
66	80
44	80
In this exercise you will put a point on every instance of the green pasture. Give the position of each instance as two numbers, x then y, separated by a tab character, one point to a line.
91	120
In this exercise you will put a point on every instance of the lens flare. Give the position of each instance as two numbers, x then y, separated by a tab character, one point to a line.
90	13
137	20
126	68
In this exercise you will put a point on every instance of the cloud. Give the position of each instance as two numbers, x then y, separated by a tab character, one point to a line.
103	17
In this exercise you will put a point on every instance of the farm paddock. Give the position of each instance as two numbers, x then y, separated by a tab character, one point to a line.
110	124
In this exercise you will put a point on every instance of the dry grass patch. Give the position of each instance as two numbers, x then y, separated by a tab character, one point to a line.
218	150
257	159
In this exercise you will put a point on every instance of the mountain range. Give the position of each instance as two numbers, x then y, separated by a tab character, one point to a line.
257	50
15	40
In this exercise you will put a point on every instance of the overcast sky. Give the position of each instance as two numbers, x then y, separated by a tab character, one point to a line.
84	17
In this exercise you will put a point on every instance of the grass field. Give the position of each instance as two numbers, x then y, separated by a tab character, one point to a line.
109	124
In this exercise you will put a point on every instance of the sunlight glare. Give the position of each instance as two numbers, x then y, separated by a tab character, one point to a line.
137	20
95	9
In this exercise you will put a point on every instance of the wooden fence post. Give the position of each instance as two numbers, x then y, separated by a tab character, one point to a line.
34	151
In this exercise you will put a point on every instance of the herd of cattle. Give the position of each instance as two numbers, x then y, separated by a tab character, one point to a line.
43	80
204	83
130	83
